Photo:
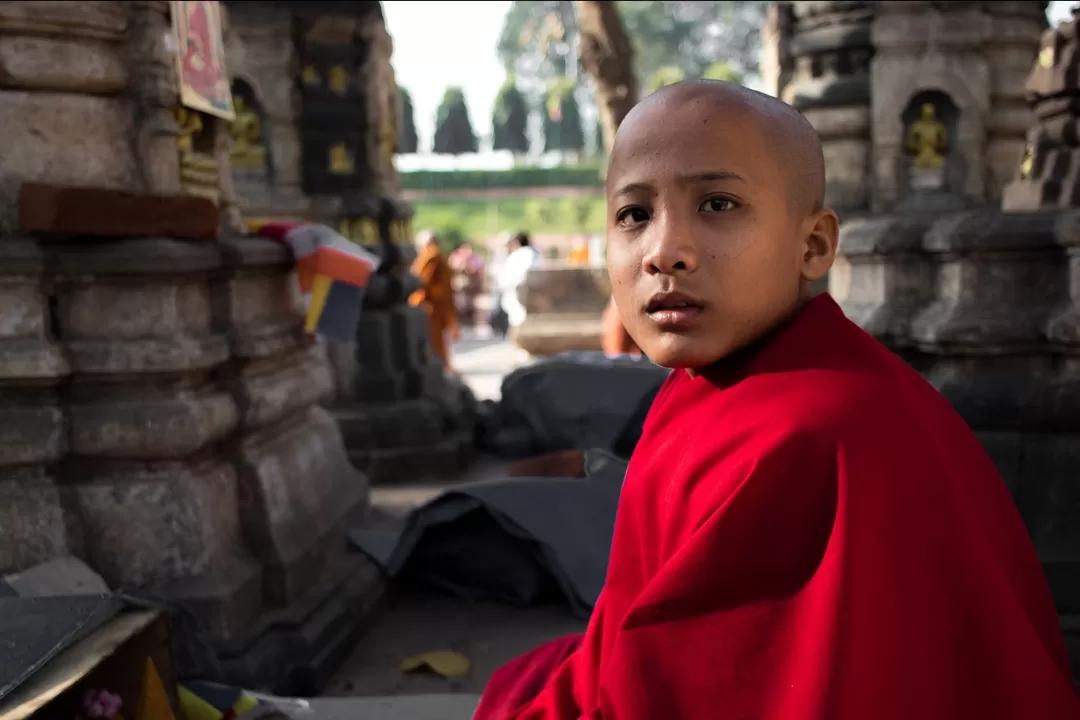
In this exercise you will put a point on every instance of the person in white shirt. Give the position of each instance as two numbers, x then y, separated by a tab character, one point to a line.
521	257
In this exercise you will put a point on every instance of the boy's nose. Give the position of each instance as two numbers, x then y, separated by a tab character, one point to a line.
671	250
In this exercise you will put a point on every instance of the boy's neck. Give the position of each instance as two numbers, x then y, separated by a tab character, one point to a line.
736	357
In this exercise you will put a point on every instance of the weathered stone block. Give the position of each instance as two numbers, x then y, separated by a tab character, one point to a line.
41	63
291	525
34	527
114	213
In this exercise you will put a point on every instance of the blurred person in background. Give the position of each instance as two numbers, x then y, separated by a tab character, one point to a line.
436	294
468	269
521	257
579	252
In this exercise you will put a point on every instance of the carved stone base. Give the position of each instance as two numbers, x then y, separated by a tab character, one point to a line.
401	415
293	652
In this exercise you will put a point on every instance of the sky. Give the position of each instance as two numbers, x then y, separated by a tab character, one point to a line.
439	44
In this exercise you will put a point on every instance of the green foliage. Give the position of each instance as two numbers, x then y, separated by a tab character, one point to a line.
453	130
664	76
691	34
407	140
562	119
477	219
583	176
538	38
510	123
538	42
722	70
451	237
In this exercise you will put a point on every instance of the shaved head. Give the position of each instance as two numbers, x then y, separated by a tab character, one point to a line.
716	224
794	144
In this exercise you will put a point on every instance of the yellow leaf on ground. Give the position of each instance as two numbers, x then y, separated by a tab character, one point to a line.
442	662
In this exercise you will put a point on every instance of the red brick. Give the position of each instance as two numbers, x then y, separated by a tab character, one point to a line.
113	213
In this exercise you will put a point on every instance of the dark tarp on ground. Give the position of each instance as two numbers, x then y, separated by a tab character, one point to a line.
35	630
578	400
518	541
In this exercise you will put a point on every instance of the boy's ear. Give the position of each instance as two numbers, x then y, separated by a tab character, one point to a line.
822	235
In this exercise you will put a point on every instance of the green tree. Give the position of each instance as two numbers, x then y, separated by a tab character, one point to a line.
538	43
693	35
562	119
664	76
722	70
453	131
539	39
407	140
509	126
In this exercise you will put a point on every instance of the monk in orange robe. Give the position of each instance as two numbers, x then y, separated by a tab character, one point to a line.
614	340
806	530
436	294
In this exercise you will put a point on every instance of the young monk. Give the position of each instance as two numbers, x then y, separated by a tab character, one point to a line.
807	530
436	294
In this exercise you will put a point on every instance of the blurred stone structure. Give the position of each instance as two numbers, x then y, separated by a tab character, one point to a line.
564	305
985	302
318	81
161	409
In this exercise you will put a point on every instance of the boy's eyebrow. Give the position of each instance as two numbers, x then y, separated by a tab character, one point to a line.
691	179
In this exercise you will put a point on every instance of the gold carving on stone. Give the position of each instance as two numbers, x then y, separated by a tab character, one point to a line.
248	151
338	80
341	161
927	140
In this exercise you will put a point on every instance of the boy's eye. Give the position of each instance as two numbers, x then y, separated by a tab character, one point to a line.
631	216
718	205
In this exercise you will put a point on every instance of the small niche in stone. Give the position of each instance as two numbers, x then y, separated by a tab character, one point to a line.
250	155
930	164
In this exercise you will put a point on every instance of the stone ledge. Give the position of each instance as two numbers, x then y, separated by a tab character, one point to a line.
115	213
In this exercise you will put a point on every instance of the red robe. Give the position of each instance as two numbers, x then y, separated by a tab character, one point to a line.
810	532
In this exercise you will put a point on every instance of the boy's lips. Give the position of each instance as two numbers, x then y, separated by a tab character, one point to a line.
673	310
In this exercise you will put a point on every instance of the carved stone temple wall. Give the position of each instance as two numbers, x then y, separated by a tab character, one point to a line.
316	142
160	406
862	71
983	301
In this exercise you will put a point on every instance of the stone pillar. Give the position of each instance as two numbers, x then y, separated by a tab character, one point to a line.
151	56
999	339
831	51
161	410
63	69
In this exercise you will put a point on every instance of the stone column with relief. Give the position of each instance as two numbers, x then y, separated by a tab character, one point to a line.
1002	336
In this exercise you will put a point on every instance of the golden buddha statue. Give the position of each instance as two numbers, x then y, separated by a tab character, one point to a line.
1027	164
338	80
341	160
190	125
248	151
310	76
927	140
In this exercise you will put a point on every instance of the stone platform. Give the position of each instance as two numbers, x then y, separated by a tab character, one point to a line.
161	420
564	306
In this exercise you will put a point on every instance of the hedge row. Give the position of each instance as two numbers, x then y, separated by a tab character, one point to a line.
526	177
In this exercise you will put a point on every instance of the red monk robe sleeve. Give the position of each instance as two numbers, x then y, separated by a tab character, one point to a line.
721	630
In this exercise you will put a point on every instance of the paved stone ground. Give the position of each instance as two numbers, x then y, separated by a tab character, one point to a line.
489	635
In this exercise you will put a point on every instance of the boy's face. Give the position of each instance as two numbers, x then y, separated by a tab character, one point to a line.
706	249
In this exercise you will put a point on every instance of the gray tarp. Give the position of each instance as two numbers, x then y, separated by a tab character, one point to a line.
518	540
579	400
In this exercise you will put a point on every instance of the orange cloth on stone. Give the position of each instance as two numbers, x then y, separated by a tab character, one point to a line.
614	340
436	296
